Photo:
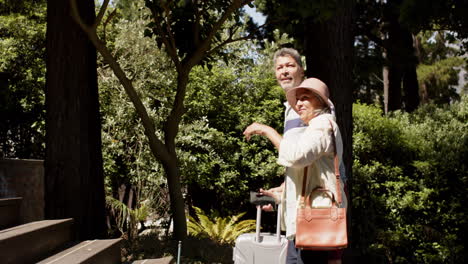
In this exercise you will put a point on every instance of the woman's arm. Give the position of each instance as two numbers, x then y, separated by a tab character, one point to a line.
263	130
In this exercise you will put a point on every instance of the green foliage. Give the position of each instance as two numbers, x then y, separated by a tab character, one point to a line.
127	159
218	167
439	66
22	78
443	71
410	176
191	33
220	230
229	98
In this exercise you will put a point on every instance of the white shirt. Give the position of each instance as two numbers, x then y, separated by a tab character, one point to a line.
309	146
291	118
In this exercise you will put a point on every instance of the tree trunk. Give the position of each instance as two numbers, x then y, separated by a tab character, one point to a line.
402	62
386	87
411	89
177	200
171	167
328	48
329	54
74	182
394	86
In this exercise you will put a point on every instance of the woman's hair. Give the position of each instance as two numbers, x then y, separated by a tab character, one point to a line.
325	110
325	107
288	52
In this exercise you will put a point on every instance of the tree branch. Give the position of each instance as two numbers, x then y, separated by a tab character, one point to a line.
228	41
198	55
172	51
172	123
169	31
157	146
101	13
109	18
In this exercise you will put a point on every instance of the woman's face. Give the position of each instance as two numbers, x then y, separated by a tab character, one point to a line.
307	102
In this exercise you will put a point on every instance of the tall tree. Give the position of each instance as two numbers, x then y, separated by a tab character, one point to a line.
191	32
73	164
401	61
392	26
380	22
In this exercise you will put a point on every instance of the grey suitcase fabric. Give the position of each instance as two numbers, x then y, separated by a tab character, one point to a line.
265	248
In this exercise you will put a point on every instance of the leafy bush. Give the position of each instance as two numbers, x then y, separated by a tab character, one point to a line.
409	182
22	79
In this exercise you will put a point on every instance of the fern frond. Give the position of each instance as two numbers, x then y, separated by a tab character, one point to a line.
194	228
121	210
221	230
240	228
233	220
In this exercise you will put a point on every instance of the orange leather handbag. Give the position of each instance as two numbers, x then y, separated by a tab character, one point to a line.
321	228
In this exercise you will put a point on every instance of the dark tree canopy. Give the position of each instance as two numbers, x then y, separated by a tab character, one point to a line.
436	14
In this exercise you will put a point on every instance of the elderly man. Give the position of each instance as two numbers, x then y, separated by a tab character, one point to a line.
289	73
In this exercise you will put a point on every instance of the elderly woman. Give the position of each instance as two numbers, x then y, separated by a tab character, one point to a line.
310	146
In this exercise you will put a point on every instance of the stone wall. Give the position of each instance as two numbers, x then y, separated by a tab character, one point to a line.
24	178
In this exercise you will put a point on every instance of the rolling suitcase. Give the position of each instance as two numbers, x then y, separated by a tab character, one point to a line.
255	248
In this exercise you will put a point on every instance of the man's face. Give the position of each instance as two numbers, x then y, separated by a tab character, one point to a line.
288	73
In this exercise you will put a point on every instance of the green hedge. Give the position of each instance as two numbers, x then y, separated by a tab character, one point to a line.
409	184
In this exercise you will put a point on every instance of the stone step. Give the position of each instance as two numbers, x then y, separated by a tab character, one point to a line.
106	251
34	241
166	260
10	212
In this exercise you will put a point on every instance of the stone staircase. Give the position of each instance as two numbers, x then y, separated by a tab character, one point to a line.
51	242
48	241
9	212
26	238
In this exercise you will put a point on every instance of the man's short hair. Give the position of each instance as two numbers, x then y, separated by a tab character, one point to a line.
288	52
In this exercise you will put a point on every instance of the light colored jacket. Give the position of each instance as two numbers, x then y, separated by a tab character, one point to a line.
309	146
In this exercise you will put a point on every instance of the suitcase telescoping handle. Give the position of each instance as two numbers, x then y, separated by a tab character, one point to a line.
259	200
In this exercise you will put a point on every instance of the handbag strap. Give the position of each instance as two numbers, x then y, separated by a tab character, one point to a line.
337	171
